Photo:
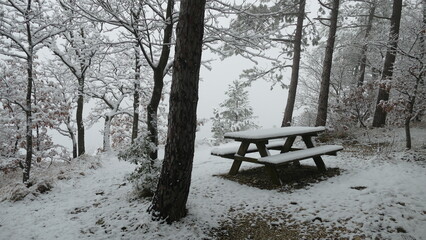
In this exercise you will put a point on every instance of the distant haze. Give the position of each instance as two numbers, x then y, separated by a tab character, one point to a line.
268	105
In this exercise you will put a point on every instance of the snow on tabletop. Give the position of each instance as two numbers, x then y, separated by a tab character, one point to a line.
300	154
271	133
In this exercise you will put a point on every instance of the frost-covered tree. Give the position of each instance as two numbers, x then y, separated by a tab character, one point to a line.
379	119
149	24
78	49
333	6
408	102
24	27
111	86
63	100
235	113
12	118
357	59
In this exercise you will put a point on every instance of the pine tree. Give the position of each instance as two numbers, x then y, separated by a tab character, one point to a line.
235	113
169	202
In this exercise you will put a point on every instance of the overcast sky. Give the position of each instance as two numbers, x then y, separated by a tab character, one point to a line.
268	105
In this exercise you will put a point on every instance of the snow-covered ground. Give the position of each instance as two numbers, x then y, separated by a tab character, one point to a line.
381	195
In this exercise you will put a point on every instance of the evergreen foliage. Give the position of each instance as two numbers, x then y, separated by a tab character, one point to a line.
234	114
146	175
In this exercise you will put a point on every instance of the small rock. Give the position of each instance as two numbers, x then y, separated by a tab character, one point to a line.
100	221
61	177
44	186
79	210
92	230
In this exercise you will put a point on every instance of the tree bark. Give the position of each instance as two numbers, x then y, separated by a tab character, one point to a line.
72	136
288	113
363	61
28	103
327	65
152	110
423	35
159	73
379	119
79	117
169	202
107	132
136	95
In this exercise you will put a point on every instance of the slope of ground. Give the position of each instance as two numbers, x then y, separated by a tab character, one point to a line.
378	194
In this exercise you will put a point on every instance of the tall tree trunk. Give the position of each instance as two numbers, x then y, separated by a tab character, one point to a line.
423	35
152	110
379	119
288	113
169	202
79	117
326	69
107	132
29	121
136	95
159	73
37	127
410	112
363	61
72	136
28	104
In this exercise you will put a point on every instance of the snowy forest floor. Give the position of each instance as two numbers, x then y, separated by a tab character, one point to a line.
374	189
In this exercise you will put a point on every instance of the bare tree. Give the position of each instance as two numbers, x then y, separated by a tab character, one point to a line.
411	70
25	27
379	119
169	202
327	64
291	99
150	27
136	94
77	49
363	58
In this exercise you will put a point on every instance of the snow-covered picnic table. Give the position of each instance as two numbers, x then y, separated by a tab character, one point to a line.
259	141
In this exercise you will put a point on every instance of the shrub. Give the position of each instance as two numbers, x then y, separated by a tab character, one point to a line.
146	175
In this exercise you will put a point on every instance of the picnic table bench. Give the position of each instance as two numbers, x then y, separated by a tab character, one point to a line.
260	141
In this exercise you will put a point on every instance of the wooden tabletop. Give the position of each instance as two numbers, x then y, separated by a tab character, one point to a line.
273	133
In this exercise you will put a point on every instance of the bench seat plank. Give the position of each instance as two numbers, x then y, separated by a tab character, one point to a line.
300	154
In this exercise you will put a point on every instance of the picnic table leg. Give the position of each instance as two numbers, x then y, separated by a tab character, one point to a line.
287	147
237	163
318	160
270	170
